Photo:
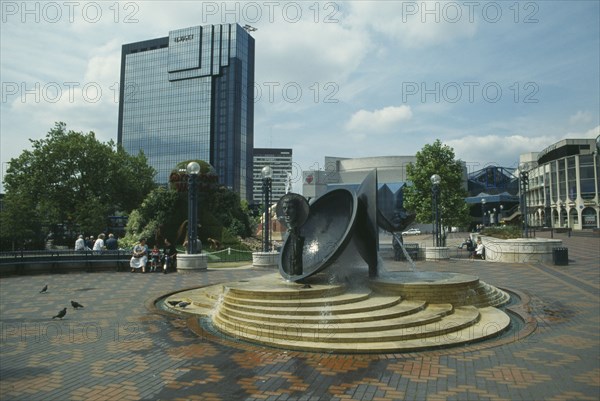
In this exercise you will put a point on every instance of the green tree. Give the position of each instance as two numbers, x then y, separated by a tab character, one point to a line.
155	219
70	182
163	214
437	159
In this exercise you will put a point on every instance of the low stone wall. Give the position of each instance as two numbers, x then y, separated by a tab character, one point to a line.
519	250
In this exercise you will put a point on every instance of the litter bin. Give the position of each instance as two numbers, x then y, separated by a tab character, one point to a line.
560	256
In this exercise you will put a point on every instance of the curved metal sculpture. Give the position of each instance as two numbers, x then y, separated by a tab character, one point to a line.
326	232
293	209
335	221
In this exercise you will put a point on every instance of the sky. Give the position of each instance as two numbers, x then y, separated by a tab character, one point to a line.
490	79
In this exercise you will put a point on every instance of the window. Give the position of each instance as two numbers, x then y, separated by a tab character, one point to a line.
587	179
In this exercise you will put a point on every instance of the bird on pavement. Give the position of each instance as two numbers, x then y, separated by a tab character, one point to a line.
183	304
76	304
61	314
44	289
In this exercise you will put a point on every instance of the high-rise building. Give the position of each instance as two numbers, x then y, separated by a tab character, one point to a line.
280	161
191	96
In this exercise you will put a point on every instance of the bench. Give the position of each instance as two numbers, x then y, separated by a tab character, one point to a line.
411	249
19	260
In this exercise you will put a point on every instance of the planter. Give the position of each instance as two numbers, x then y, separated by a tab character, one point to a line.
191	263
265	259
437	253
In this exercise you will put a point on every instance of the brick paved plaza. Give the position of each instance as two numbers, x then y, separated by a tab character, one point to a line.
118	347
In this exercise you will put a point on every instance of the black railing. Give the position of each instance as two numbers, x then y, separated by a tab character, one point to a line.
57	257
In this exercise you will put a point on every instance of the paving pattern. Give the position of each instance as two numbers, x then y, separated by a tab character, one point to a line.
118	347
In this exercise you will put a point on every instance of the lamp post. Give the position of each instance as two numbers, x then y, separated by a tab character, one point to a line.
524	184
267	179
483	212
435	189
495	218
501	213
192	169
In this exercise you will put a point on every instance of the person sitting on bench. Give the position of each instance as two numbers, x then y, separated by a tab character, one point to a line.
479	252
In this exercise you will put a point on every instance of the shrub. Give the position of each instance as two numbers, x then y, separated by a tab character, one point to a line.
503	232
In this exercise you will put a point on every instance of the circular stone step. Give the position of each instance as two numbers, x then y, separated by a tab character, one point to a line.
381	316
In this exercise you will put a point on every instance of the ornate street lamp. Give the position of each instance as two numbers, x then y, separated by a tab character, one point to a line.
483	212
435	189
267	179
192	169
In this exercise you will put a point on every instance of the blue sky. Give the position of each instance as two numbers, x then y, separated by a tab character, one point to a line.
338	78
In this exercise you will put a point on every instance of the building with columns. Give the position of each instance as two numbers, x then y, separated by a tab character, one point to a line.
563	185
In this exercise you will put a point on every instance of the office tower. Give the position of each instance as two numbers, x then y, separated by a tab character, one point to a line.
280	161
191	96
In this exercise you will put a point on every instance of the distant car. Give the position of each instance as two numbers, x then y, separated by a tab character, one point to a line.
411	231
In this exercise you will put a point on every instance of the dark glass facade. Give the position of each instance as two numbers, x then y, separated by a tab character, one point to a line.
190	96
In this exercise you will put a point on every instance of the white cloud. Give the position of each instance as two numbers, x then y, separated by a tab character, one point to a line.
308	52
415	24
478	151
379	121
589	134
580	117
481	150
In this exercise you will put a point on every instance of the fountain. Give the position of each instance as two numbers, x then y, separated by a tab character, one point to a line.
324	299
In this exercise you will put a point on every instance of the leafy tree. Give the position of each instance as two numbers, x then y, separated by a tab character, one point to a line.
70	182
437	159
155	219
163	214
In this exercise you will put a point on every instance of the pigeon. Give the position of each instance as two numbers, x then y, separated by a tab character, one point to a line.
61	314
173	303
44	289
76	304
183	304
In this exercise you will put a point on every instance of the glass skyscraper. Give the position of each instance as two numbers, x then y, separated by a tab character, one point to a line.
191	96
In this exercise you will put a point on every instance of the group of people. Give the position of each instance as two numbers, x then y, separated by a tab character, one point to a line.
476	251
98	245
145	259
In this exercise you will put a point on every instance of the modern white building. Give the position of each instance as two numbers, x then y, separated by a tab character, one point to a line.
564	185
340	170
